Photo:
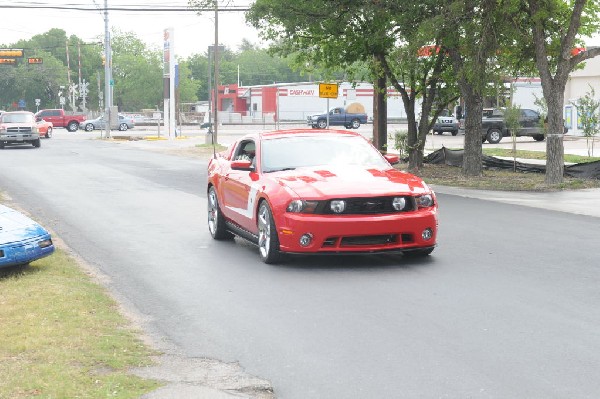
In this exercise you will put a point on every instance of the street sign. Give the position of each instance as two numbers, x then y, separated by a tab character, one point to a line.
328	90
38	101
11	52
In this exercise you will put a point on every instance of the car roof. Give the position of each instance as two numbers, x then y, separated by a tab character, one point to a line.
18	112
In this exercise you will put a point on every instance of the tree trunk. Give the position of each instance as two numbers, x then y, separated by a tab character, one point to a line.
380	112
472	160
555	151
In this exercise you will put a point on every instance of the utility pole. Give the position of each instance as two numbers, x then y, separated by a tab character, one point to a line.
107	73
216	53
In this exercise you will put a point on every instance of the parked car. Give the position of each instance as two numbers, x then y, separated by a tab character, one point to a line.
45	128
125	123
308	191
18	128
22	240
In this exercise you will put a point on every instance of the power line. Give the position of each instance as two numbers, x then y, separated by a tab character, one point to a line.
128	8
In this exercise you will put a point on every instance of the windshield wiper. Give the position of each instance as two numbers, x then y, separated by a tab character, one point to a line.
279	170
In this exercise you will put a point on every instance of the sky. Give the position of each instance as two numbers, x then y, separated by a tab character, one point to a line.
193	33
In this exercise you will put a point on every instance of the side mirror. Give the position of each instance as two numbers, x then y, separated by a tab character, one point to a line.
38	119
393	159
242	165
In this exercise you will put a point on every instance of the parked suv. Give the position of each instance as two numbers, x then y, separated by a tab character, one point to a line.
19	127
493	126
446	123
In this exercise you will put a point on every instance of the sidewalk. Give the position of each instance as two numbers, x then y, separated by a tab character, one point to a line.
580	202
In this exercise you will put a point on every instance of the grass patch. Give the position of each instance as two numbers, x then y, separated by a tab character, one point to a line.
540	155
491	179
62	336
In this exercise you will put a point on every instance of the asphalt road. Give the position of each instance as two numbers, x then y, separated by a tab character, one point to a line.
506	307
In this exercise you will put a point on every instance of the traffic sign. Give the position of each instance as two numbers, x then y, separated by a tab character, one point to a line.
8	61
11	52
36	60
328	90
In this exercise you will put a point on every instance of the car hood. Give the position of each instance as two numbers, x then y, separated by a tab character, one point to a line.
15	226
349	181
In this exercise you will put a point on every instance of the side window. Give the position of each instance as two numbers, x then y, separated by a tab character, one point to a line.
245	151
55	113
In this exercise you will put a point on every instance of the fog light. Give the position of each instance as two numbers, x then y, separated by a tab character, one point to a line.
427	234
338	206
306	239
45	243
398	203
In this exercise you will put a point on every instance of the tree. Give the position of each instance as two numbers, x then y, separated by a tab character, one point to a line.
137	73
512	114
335	36
587	110
554	26
473	48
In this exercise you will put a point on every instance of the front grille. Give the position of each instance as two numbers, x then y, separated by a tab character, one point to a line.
365	206
368	240
19	129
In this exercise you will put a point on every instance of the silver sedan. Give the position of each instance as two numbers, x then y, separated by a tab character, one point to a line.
125	123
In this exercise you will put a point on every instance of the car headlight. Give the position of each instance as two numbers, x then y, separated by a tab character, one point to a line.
398	203
337	206
302	206
424	201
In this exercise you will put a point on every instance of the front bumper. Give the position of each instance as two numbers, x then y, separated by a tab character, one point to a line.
18	137
26	251
443	127
357	233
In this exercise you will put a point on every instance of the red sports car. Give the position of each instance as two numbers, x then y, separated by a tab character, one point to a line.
45	128
311	191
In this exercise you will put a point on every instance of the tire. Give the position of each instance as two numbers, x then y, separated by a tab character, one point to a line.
494	136
216	221
89	127
123	127
437	132
37	143
1	145
268	242
49	133
73	126
355	123
321	123
348	126
454	132
419	253
539	137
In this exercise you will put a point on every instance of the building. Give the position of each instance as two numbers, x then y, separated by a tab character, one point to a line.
295	102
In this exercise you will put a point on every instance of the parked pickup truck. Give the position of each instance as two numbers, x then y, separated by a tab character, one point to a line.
338	116
60	118
493	126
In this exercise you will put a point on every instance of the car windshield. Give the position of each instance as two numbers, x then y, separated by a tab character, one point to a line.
307	151
17	118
